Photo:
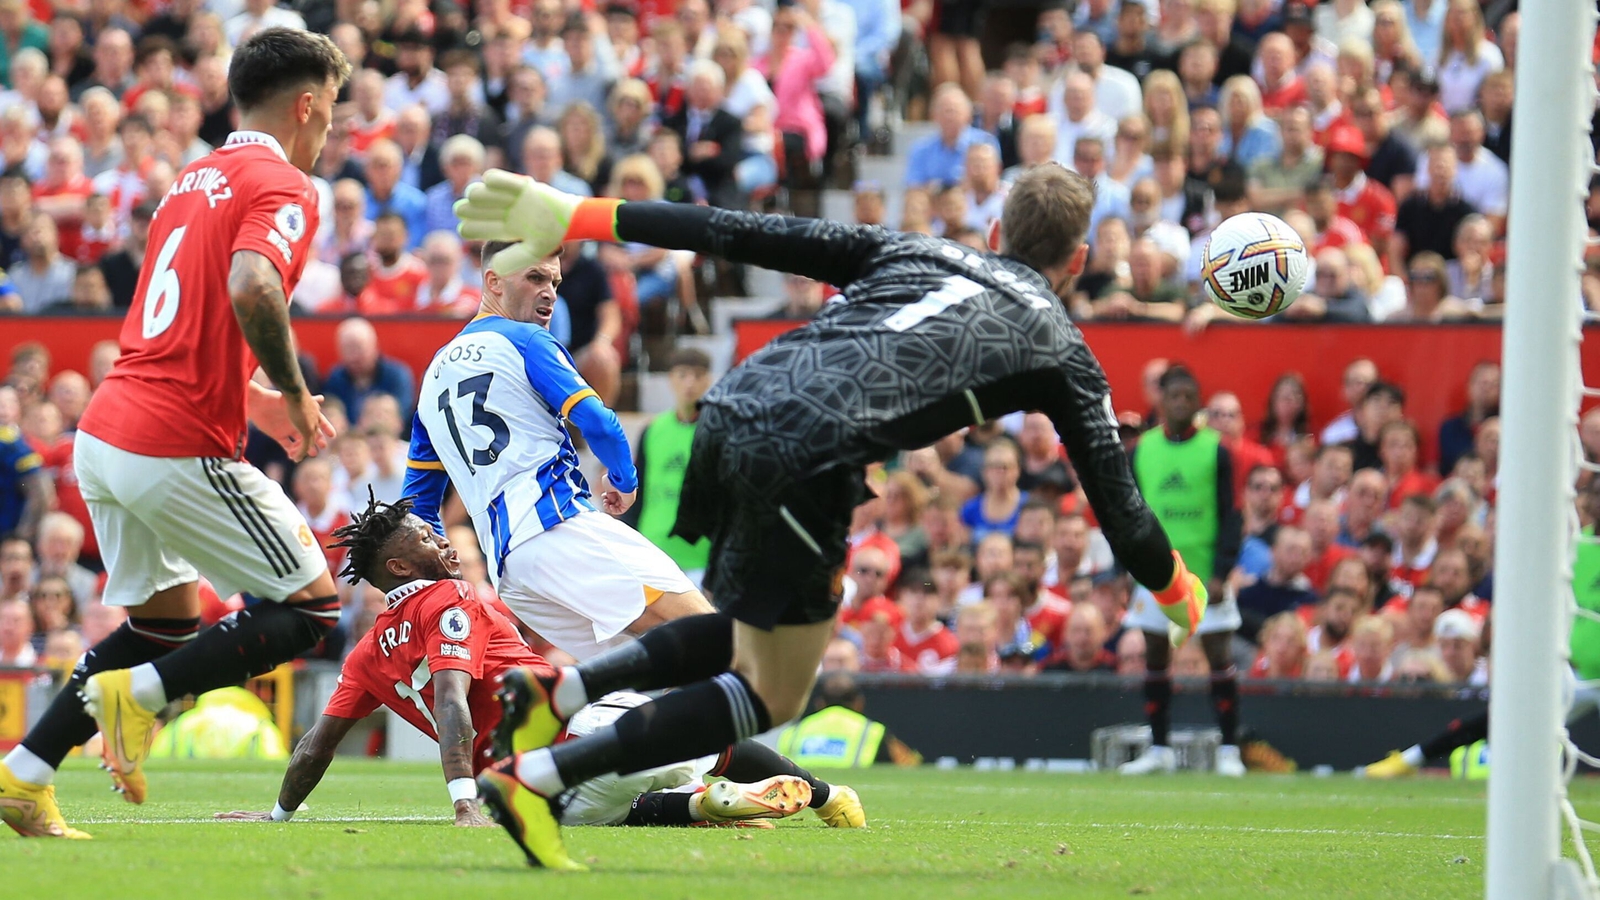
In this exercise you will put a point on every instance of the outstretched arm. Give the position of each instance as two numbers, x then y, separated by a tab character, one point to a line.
512	207
454	716
426	478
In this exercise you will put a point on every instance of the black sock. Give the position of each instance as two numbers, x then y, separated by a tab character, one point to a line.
251	642
1460	733
64	724
660	809
683	651
747	762
1158	706
1225	700
701	719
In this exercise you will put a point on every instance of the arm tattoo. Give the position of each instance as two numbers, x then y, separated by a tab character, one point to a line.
263	314
454	718
310	761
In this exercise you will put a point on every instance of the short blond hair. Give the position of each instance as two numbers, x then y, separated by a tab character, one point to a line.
1046	215
638	166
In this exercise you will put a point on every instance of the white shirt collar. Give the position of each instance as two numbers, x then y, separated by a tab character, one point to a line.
240	138
394	597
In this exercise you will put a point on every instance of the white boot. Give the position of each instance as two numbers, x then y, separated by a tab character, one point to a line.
1228	762
1154	759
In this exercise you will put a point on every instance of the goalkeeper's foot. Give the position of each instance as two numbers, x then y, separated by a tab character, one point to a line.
126	727
30	809
528	719
843	809
1392	766
779	797
526	815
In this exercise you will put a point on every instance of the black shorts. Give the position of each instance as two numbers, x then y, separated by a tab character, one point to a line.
778	541
960	18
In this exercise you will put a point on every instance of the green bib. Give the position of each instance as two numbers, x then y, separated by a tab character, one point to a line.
666	457
835	738
1179	481
1585	643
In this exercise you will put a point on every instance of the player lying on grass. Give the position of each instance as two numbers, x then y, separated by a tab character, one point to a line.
436	656
927	337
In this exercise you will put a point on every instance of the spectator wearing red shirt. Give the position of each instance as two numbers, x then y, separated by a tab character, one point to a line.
1452	575
1362	200
878	650
61	193
924	643
1415	545
1281	86
397	275
1225	415
125	184
1333	229
444	293
1321	521
870	572
313	493
373	121
1283	648
1336	616
1399	445
96	234
979	640
355	283
1047	614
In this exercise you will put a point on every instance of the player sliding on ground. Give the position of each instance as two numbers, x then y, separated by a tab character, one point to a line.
436	656
928	337
158	451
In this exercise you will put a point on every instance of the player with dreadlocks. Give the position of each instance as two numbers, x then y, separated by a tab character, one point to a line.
437	655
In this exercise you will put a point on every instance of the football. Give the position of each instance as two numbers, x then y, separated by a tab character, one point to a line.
1255	266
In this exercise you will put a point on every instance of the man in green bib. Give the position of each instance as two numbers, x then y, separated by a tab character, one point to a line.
662	456
1186	475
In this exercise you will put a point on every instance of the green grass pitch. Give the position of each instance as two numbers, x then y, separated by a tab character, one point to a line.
379	830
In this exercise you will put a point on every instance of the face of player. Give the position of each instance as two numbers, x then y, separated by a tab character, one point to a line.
1179	402
420	552
312	134
527	294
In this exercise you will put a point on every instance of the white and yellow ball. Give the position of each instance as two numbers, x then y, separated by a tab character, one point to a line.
1255	266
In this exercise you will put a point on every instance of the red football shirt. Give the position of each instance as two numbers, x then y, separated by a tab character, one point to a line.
1370	206
1047	618
179	387
393	289
438	626
57	460
923	652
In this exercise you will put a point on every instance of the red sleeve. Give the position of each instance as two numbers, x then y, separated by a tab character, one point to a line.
280	225
455	632
350	700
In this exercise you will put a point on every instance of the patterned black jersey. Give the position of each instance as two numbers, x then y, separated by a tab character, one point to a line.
927	337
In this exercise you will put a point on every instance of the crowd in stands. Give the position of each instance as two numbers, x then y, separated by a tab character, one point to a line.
1379	132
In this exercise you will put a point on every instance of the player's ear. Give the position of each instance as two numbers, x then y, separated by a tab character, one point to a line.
302	106
994	236
1079	259
397	567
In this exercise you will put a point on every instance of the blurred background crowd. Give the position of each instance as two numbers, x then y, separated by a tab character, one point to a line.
1359	549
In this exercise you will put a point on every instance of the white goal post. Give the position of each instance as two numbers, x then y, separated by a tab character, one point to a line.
1533	607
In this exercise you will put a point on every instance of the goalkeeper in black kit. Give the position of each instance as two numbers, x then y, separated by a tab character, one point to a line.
926	338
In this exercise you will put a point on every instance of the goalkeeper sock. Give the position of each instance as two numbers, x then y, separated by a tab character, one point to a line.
64	724
1158	706
749	762
1225	700
683	651
701	719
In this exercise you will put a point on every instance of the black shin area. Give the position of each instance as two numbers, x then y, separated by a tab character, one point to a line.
748	761
657	809
64	724
683	651
699	720
1460	733
1158	706
251	642
1225	700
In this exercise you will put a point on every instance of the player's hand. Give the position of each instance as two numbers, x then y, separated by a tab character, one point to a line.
613	501
244	815
311	428
509	207
269	411
469	815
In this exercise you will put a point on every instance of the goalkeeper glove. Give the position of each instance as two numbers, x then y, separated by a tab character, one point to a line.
510	207
1183	601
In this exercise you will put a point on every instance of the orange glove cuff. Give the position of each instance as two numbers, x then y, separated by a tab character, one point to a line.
595	219
1178	590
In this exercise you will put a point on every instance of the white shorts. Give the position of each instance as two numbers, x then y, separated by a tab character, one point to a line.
584	581
1145	614
607	800
160	519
